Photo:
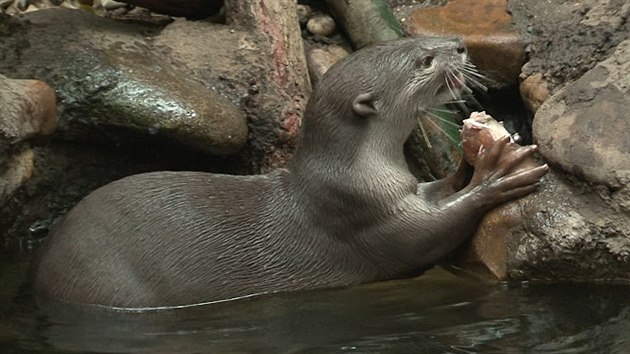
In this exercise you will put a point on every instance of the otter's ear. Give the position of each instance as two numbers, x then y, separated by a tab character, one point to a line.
364	106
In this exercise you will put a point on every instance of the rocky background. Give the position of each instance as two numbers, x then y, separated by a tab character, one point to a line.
91	91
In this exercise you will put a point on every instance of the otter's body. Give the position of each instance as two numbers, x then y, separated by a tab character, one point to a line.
346	211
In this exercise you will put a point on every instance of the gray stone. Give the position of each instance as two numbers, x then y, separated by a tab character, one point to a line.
584	127
109	81
565	39
578	225
322	25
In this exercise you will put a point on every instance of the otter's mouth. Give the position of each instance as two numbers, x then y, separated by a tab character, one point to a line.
454	84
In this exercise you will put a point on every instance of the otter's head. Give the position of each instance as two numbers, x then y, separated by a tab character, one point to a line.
386	86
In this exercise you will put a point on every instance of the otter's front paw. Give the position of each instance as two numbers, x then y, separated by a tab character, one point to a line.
502	172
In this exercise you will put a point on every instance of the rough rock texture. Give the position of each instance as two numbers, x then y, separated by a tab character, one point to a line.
109	82
568	231
584	128
279	117
567	38
581	227
493	44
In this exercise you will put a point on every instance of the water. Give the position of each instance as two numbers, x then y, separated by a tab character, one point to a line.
435	313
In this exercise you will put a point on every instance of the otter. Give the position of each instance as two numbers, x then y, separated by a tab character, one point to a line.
345	211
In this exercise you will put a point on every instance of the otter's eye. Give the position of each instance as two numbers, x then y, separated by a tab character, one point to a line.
461	50
425	61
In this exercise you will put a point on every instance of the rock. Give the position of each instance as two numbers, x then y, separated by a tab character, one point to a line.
304	13
366	22
566	39
321	59
278	98
110	83
486	26
191	9
322	25
27	109
534	92
111	4
576	227
567	232
584	127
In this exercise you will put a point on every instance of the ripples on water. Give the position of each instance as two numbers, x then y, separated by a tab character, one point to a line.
435	313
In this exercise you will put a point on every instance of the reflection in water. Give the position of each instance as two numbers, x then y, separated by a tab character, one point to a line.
435	313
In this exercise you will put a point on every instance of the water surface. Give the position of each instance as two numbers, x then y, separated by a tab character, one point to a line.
435	313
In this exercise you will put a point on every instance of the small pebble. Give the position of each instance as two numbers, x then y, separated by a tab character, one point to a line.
304	13
322	25
112	5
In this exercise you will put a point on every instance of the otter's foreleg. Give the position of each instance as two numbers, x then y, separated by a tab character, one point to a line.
436	191
419	234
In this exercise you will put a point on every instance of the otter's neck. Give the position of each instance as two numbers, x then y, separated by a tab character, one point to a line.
354	158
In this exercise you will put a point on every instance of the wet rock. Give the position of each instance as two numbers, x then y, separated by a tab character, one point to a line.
534	92
27	109
322	25
110	83
191	9
577	226
567	231
486	26
321	59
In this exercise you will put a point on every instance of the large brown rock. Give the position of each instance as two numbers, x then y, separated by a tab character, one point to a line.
486	26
